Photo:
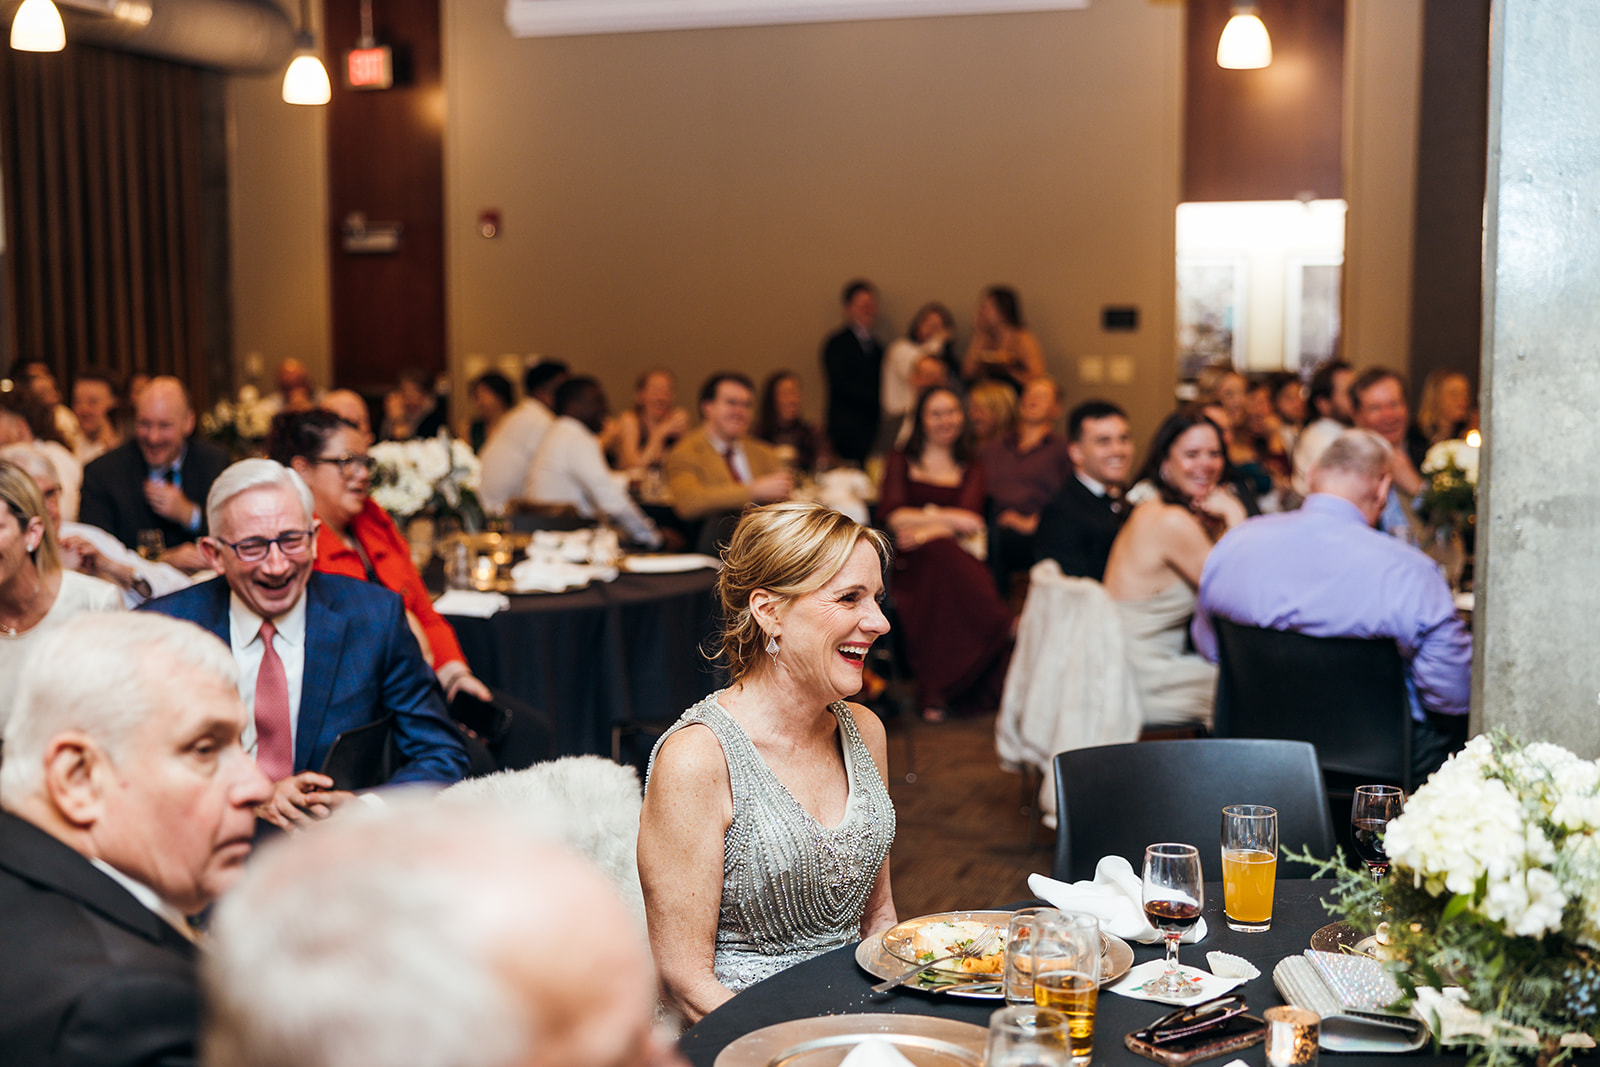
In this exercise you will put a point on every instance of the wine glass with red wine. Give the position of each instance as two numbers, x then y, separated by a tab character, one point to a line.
1174	893
1370	812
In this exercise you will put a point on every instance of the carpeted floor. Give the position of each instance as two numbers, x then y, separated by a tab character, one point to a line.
962	837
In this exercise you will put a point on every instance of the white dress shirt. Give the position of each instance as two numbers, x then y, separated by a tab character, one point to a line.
164	578
244	632
508	453
570	468
146	896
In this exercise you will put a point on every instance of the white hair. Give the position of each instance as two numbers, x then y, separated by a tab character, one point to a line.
248	474
380	939
31	458
104	674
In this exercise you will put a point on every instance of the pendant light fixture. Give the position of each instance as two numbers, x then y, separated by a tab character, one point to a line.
1244	44
306	80
38	28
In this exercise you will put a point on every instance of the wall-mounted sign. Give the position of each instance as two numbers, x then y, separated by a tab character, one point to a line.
369	68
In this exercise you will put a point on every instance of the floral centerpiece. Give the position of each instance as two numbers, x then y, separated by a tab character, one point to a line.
436	475
1449	496
239	425
1494	888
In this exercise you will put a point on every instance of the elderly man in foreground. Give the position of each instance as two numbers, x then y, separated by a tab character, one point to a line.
126	805
1325	572
453	955
318	654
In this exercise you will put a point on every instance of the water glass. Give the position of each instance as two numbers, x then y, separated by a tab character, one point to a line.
1249	865
1027	1036
1019	954
1065	951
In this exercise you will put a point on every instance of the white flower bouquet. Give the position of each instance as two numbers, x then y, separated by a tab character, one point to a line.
1449	496
239	425
1494	886
436	474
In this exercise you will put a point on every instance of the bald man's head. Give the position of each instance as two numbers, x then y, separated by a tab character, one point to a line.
165	421
427	934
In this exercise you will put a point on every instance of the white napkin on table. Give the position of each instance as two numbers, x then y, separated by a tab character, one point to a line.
875	1052
1115	897
551	576
1211	985
471	603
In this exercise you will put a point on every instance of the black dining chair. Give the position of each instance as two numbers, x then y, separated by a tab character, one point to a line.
1117	799
1345	695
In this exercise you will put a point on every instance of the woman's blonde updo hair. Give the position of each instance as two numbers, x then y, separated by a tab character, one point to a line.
789	549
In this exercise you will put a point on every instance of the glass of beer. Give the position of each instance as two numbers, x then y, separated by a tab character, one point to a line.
151	544
1065	950
1249	865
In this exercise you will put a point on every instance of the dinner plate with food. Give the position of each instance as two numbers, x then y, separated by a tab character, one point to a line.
930	938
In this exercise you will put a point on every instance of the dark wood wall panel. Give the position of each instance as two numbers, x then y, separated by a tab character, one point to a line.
386	160
1452	161
1270	134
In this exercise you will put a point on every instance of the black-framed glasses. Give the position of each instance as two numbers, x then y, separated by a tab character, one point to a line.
256	549
349	463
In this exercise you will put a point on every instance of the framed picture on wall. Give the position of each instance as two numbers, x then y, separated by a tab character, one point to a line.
1211	312
1311	310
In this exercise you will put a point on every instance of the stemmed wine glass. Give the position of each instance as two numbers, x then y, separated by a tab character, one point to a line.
1370	812
1174	893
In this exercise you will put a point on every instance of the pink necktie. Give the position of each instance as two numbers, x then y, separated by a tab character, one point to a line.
274	741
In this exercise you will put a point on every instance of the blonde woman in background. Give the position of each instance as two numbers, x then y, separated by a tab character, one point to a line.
991	412
1444	411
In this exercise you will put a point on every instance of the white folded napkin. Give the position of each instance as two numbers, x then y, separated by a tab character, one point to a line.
1211	985
548	576
471	603
1115	897
875	1052
669	563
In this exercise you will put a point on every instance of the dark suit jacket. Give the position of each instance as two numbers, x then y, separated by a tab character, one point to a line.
1076	529
855	375
113	491
91	976
362	663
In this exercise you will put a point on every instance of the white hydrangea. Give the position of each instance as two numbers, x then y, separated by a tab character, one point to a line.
431	458
404	492
1529	903
1441	454
1457	827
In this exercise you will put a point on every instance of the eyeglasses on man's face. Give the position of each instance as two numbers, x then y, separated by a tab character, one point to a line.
255	549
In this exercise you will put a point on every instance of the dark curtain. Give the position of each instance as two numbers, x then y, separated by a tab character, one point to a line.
104	212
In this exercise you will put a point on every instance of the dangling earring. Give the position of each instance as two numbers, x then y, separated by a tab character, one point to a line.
772	650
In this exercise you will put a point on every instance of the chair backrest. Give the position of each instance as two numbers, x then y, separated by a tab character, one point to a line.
1118	799
1345	695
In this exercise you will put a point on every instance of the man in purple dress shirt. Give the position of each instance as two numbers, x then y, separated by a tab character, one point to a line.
1324	571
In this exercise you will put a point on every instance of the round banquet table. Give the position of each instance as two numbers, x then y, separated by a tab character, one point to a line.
609	654
832	984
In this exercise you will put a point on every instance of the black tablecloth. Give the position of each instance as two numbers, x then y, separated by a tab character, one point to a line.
613	652
832	984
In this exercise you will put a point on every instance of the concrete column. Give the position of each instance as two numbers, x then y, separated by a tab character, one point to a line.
1537	628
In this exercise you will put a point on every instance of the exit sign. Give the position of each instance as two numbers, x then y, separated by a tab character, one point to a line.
369	68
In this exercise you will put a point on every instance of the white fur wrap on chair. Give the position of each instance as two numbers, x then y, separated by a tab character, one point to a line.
587	802
1069	685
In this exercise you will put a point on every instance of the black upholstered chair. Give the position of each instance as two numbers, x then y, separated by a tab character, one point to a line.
1117	799
1345	695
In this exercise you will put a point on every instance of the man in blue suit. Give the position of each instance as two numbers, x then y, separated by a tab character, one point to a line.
318	654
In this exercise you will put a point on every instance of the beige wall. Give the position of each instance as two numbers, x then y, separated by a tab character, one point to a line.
696	198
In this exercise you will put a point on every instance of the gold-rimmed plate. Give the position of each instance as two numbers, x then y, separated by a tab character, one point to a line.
871	956
925	1040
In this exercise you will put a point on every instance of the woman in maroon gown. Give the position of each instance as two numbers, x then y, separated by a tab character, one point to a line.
957	630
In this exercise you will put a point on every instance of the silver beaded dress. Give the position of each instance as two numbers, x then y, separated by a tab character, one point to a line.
791	887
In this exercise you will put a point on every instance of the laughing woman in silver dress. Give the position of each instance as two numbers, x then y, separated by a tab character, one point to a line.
766	828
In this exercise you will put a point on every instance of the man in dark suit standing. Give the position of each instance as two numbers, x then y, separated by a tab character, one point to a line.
318	654
1079	523
126	805
157	480
852	361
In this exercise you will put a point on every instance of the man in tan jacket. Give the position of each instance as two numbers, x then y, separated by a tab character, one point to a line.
717	470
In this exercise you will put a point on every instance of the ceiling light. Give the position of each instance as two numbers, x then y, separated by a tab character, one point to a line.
306	80
37	28
1245	44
